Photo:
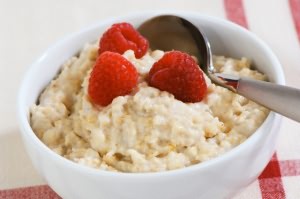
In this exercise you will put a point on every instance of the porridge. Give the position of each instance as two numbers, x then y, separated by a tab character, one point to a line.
147	130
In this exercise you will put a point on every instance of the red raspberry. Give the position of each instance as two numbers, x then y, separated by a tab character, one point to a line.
112	76
179	74
121	37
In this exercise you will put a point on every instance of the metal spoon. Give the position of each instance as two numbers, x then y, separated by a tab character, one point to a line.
168	32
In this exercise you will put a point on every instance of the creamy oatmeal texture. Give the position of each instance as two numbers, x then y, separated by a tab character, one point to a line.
147	130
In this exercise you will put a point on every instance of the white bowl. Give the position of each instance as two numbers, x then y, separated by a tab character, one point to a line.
220	177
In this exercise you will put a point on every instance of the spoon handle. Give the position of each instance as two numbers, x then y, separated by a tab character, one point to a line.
281	99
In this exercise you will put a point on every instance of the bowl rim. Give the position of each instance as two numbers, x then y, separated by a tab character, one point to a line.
26	129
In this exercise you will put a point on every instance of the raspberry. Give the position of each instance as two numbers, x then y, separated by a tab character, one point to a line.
121	37
112	76
179	74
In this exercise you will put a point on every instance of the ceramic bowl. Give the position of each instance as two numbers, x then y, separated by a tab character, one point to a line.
220	177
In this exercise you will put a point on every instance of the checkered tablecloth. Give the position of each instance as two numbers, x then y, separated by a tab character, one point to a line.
275	21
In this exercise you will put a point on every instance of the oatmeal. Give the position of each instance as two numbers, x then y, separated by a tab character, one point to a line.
148	130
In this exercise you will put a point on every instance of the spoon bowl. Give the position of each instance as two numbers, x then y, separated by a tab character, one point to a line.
169	32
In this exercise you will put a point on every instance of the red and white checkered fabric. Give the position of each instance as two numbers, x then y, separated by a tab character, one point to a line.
281	177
